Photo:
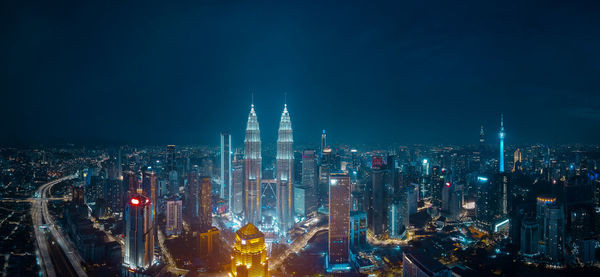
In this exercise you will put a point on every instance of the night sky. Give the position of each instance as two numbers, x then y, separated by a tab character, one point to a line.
427	72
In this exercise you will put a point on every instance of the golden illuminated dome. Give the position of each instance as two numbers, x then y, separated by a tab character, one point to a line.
249	253
249	231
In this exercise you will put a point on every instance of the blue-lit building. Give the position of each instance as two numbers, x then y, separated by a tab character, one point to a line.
501	136
301	199
358	229
396	226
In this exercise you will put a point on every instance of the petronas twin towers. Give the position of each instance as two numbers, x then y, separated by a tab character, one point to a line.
253	171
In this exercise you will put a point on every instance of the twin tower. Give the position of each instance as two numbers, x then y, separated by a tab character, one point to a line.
284	177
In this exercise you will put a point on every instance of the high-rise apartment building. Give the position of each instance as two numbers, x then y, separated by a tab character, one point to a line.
174	217
205	207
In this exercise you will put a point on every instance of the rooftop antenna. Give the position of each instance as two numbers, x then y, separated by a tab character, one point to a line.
285	99
252	99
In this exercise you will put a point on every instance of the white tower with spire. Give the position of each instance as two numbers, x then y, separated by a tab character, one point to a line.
285	178
252	169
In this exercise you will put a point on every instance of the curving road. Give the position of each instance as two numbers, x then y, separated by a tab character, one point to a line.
296	246
41	215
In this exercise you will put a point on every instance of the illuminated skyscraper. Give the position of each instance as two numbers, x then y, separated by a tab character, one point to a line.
170	158
149	185
285	165
481	136
238	184
338	252
517	161
501	135
252	169
205	209
310	179
377	205
323	140
226	173
209	242
249	254
554	231
139	239
530	236
174	220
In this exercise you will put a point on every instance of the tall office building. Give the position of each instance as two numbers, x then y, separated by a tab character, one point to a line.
543	201
252	169
501	135
554	231
209	242
530	236
503	183
301	193
226	191
174	217
377	211
285	176
451	201
192	197
170	158
323	141
338	255
238	184
205	207
396	227
249	254
446	190
481	137
517	161
139	239
113	191
413	198
358	229
310	178
325	167
149	187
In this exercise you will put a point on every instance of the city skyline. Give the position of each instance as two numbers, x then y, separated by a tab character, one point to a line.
269	139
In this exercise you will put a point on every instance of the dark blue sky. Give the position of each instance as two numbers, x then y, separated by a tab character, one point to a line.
426	72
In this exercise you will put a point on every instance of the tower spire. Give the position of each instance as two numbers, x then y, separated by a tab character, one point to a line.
501	135
481	134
